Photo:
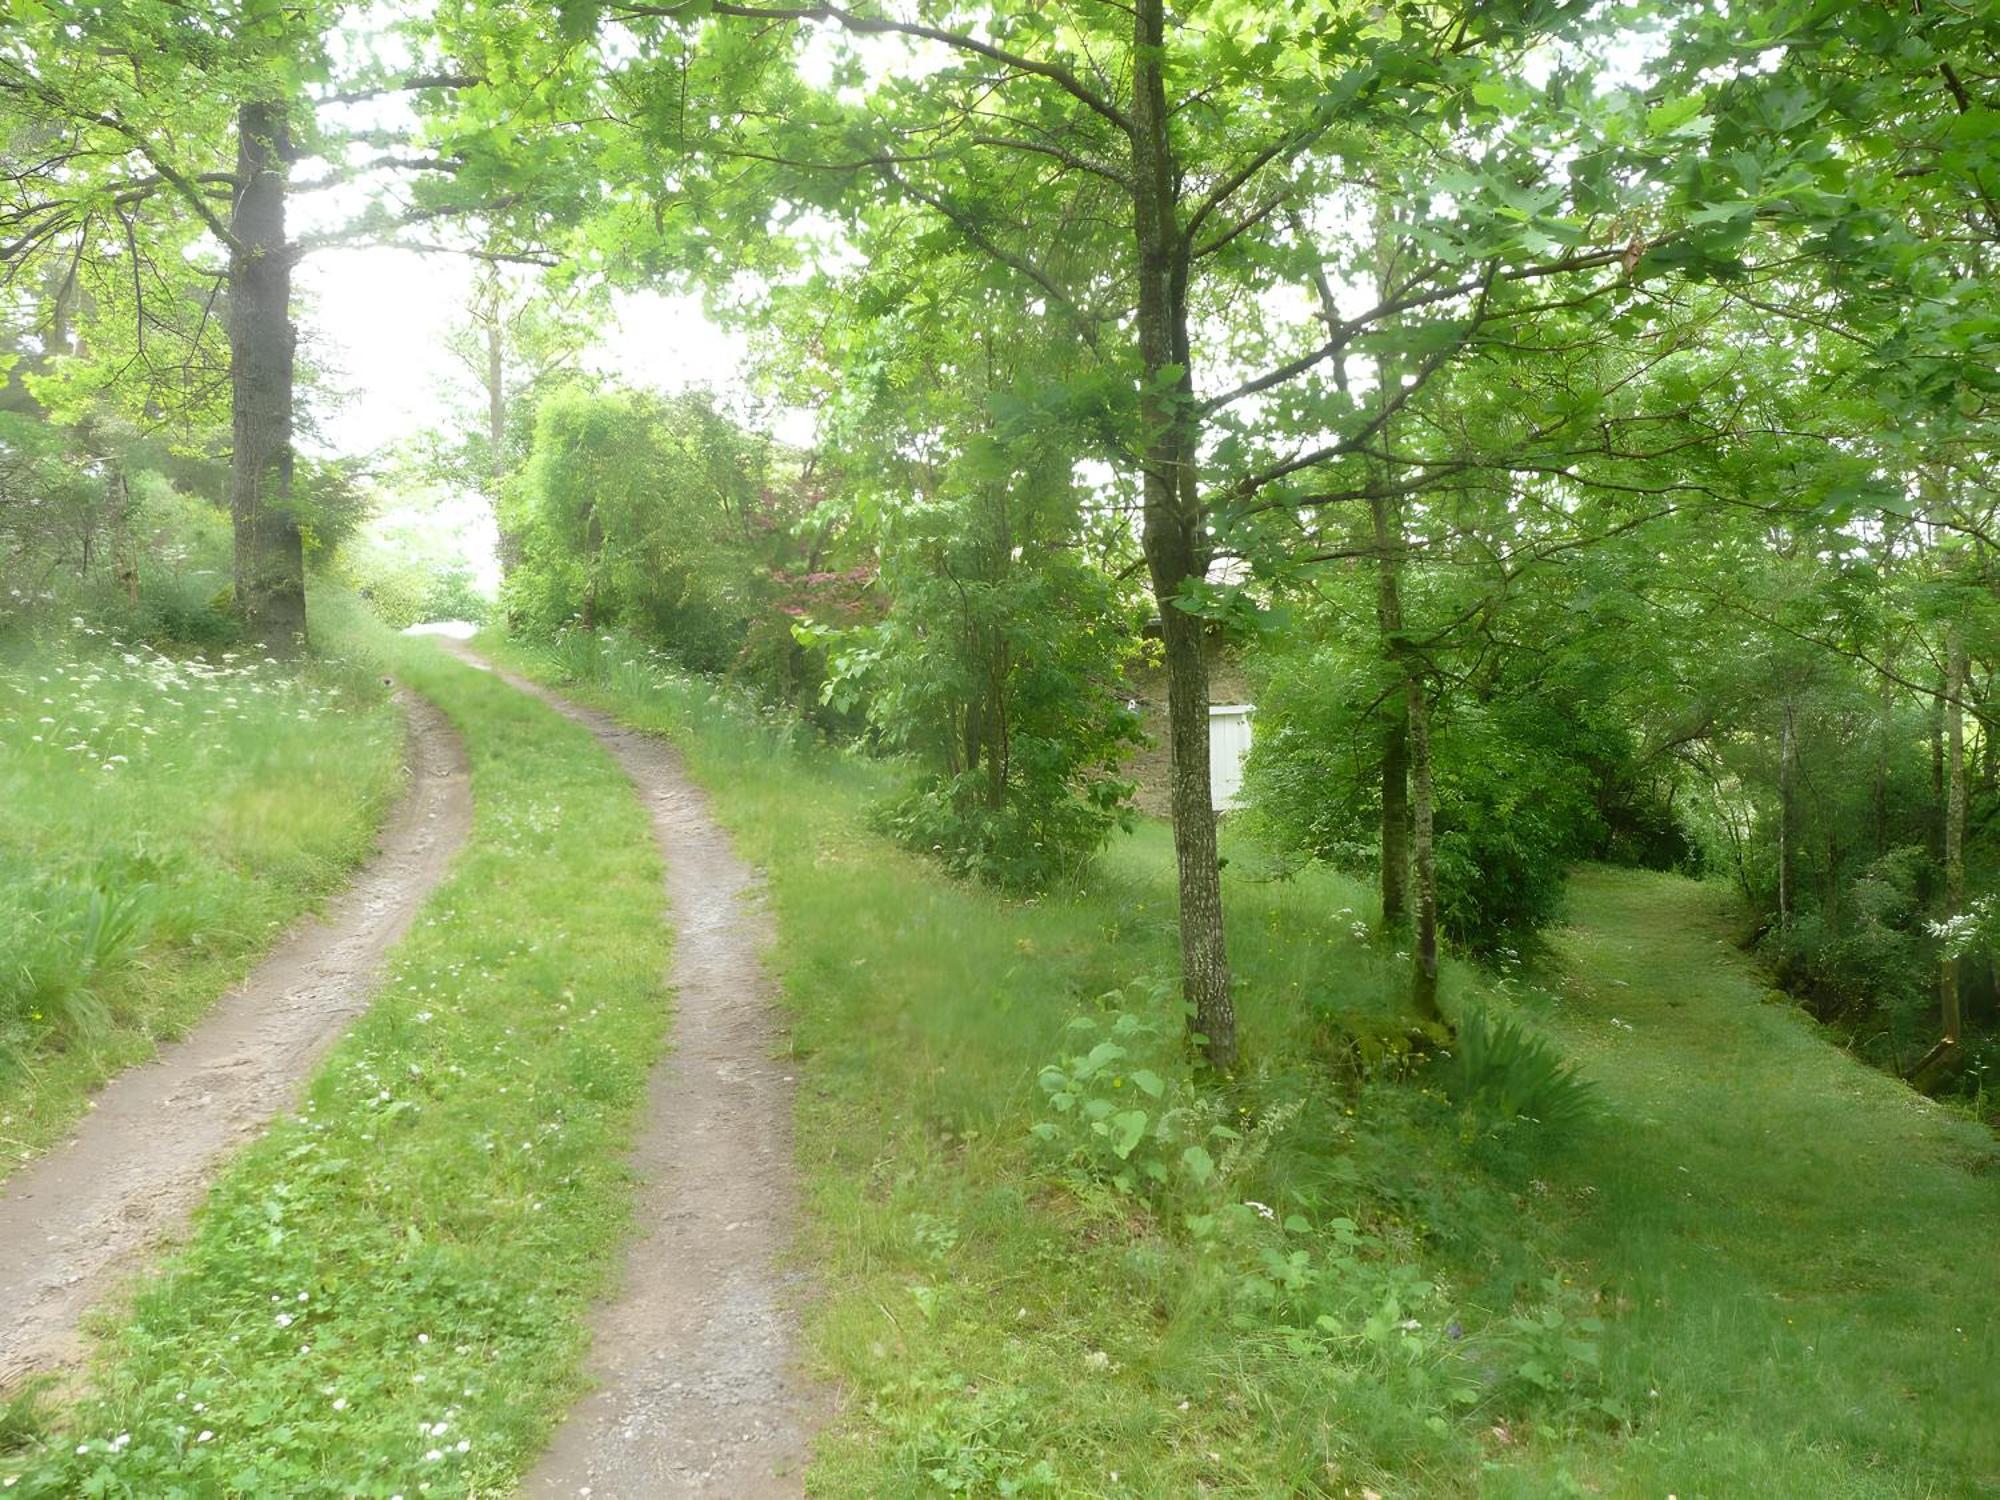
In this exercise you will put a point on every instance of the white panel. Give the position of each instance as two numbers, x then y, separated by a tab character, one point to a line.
1228	743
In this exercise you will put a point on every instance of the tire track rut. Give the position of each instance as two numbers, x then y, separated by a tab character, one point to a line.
85	1217
697	1392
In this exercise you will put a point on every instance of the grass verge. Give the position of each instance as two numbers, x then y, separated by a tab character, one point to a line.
166	818
384	1294
1326	1279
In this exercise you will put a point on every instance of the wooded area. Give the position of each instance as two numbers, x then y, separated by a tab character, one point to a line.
1599	407
1574	424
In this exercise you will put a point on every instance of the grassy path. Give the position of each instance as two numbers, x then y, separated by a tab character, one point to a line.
693	1358
1799	1254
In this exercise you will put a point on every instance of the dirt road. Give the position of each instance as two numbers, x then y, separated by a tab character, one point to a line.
697	1394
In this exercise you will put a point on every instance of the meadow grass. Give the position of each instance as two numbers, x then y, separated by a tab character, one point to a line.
384	1294
165	819
1377	1293
1801	1249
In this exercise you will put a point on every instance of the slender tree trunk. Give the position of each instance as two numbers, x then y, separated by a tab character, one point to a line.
593	536
1946	1055
1396	734
1424	974
124	549
509	548
270	553
1987	768
1938	813
1175	547
1884	731
496	401
1954	827
1788	874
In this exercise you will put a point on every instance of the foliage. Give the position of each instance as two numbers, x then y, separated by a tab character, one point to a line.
1501	1071
411	566
94	524
1140	1129
1019	672
1001	639
1530	776
639	512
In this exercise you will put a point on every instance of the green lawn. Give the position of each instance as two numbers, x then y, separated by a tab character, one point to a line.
164	820
384	1295
1803	1251
1420	1312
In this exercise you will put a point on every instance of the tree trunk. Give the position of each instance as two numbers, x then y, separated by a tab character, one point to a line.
1884	732
1396	735
1983	713
1946	1056
270	554
1175	547
1937	768
1788	875
1954	826
1424	972
124	547
509	547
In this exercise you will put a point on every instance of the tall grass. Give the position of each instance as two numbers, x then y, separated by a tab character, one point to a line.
166	817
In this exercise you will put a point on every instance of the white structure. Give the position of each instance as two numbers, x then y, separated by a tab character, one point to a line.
1228	743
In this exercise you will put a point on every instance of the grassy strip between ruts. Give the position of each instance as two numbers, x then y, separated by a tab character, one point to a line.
384	1294
164	820
1383	1296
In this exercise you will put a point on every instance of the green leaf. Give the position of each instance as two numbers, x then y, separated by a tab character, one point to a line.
1128	1128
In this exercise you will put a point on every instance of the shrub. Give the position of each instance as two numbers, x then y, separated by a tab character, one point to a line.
1501	1072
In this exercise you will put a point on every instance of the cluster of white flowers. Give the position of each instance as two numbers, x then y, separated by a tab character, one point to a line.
133	704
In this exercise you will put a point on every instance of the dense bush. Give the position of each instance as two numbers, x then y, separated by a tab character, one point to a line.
1526	783
1004	689
639	512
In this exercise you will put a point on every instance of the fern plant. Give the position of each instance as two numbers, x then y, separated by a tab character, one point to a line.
1501	1069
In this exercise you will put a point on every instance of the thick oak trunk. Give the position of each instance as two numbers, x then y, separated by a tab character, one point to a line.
270	553
1175	546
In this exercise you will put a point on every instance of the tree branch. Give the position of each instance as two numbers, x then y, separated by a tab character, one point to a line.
847	20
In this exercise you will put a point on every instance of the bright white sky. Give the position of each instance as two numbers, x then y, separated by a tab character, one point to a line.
378	317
